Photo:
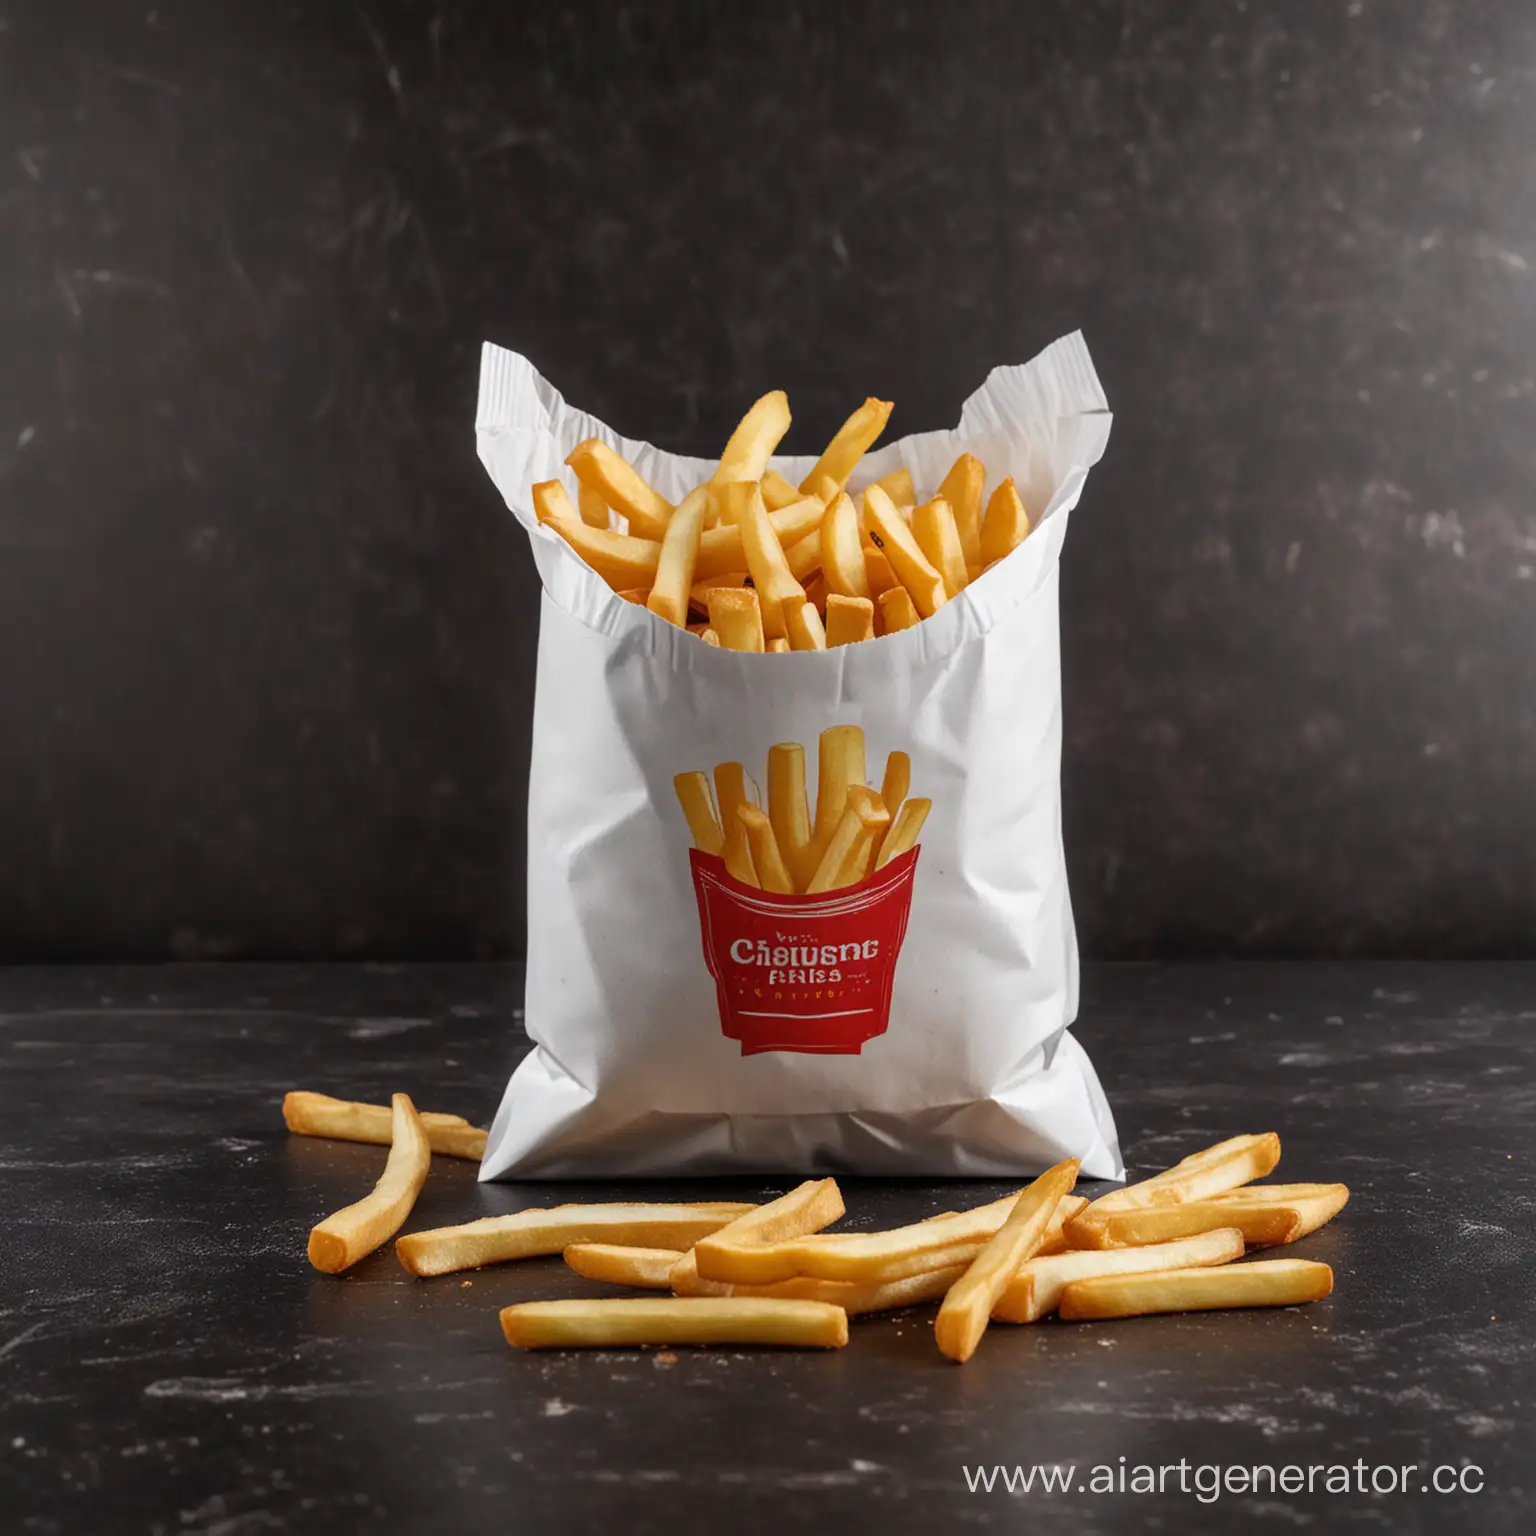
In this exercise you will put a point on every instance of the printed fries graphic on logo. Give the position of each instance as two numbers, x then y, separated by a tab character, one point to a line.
802	918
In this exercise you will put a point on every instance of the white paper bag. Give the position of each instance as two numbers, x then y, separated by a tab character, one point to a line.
916	1024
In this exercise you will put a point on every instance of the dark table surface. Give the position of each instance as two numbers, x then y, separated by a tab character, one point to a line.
170	1363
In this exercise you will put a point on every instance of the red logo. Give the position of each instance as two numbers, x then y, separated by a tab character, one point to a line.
803	973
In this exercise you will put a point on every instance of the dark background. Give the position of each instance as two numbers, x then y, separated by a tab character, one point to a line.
268	633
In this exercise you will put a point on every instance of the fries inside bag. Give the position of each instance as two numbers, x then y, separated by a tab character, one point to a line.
914	1022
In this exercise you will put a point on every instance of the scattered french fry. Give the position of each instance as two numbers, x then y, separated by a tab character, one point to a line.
617	482
693	794
1037	1287
1314	1204
674	1320
736	617
644	1268
668	597
341	1240
962	489
528	1234
1006	524
853	1296
889	532
1261	1283
938	536
317	1114
807	1208
849	619
852	442
1261	1225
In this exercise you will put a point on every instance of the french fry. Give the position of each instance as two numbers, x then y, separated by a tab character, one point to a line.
721	550
938	536
1036	1289
840	764
1262	1283
644	1268
636	595
954	1237
789	812
897	780
1261	1226
849	620
551	502
317	1114
803	626
897	484
619	484
771	575
674	568
698	805
777	491
853	1296
622	561
897	611
1314	1204
778	646
351	1234
528	1234
591	506
731	795
698	593
1211	1171
869	819
807	1208
803	558
751	445
842	555
851	443
736	617
962	489
1054	1240
737	854
629	1321
967	1306
1006	524
877	571
767	861
816	595
904	830
888	531
709	637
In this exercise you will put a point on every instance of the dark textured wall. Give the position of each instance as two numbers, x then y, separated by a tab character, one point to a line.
268	634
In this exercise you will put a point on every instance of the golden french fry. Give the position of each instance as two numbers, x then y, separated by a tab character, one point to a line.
888	531
1262	1226
849	619
897	611
1262	1283
954	1237
709	637
789	811
767	861
528	1234
868	819
737	617
698	805
679	549
1211	1171
842	555
1006	524
803	626
804	558
962	489
592	507
777	491
351	1234
1054	1240
674	1320
897	780
877	571
751	445
619	484
807	1208
840	764
904	830
639	596
646	1268
721	550
897	484
938	536
779	646
737	853
317	1114
816	595
731	791
824	488
551	502
853	1296
851	443
766	562
698	593
967	1306
622	561
1036	1289
1313	1204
